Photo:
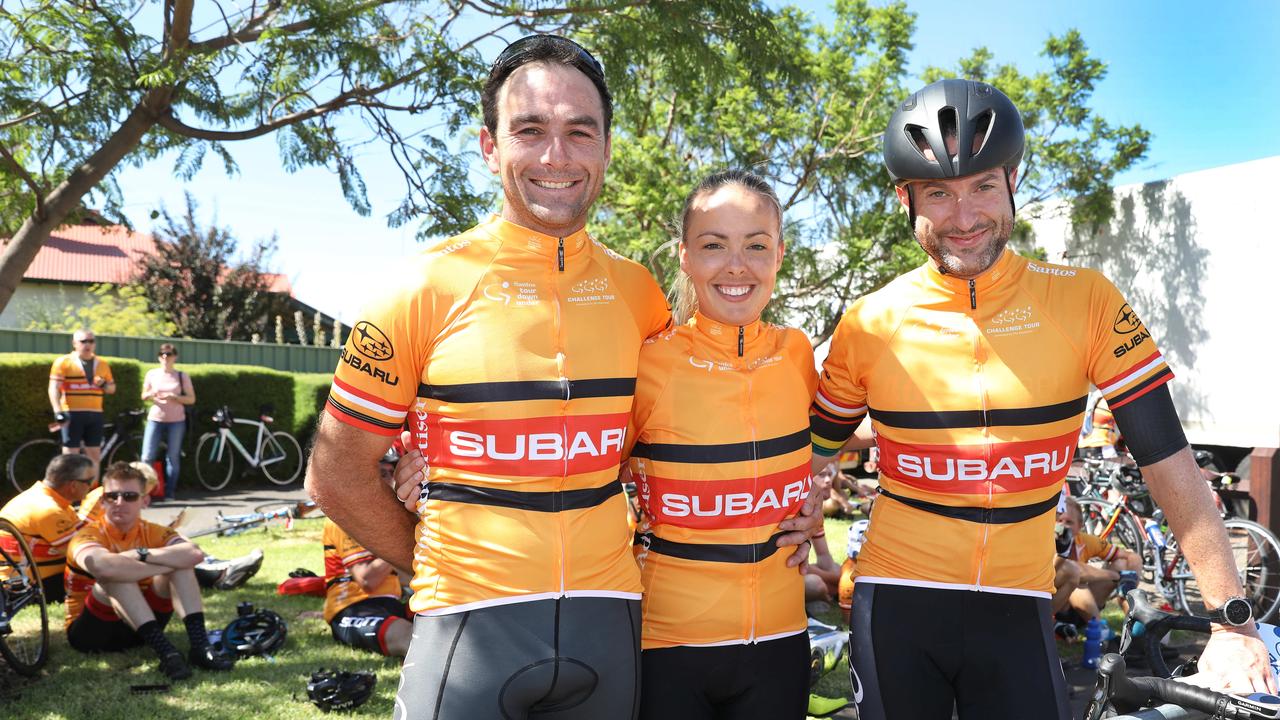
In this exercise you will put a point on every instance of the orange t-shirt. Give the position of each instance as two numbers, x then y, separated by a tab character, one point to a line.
101	533
512	355
78	391
48	521
977	390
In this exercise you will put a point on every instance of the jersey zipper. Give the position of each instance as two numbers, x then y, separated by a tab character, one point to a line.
741	333
978	360
753	585
564	411
973	295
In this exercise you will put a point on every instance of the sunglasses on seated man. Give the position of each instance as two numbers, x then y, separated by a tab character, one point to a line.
127	496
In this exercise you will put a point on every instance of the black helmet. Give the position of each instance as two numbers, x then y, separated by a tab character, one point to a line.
966	107
339	689
254	632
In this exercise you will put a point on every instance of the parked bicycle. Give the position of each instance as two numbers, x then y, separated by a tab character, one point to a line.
276	453
28	461
1131	517
24	617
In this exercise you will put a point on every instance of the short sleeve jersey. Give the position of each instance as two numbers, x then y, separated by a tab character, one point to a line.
1088	547
977	391
341	553
47	520
78	391
512	357
721	455
101	533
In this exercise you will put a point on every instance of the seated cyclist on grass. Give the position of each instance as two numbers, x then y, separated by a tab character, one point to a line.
43	513
1095	583
125	577
362	592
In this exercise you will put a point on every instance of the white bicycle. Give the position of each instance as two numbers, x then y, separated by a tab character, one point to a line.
277	453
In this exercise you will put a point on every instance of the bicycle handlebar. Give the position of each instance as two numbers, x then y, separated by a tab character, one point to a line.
1128	694
1151	624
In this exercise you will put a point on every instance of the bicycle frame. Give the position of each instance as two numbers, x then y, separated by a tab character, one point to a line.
255	460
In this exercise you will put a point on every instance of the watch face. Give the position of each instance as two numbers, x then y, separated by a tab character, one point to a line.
1237	611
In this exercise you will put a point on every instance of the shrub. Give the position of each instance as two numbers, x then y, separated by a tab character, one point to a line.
310	392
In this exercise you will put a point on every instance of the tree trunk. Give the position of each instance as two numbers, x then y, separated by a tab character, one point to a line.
22	248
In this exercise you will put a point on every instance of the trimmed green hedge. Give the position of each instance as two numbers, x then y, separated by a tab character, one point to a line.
310	392
296	399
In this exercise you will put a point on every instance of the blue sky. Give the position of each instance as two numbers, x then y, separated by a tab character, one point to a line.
1201	77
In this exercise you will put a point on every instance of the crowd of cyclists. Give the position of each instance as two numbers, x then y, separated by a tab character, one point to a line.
531	597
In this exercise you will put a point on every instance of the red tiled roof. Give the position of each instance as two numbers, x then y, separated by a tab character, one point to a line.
103	254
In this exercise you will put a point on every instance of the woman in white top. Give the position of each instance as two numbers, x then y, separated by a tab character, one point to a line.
169	391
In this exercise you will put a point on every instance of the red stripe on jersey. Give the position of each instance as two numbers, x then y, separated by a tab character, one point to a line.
370	397
964	469
715	504
346	415
1128	370
556	446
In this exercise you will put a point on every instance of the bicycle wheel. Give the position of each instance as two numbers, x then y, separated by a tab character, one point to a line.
1100	519
302	509
128	449
24	618
1257	556
214	461
28	462
281	458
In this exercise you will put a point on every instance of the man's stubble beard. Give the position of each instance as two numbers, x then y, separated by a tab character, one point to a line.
960	266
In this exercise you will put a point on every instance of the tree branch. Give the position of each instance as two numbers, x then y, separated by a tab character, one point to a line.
253	28
36	189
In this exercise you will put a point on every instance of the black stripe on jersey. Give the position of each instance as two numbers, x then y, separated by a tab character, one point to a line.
943	419
831	430
728	452
990	516
516	500
51	563
712	552
1141	387
364	418
515	391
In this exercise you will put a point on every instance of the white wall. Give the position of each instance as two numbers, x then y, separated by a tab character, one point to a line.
1198	258
40	297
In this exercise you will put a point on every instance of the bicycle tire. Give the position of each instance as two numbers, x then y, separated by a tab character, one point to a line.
281	458
1256	552
28	461
127	450
26	644
215	461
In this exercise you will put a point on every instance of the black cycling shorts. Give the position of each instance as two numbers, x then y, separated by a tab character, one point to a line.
920	652
761	681
564	659
82	426
364	624
99	629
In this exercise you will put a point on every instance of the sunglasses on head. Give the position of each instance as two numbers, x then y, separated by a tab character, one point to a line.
127	496
522	45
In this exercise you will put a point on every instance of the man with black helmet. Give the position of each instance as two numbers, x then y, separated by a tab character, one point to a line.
975	369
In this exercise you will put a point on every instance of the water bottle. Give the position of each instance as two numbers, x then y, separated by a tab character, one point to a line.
1154	533
1092	644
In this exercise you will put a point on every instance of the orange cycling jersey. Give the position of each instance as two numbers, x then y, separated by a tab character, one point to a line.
78	391
1104	432
341	553
100	533
47	520
976	390
1086	547
513	356
721	456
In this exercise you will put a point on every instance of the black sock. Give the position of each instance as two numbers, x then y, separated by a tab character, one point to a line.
153	634
195	630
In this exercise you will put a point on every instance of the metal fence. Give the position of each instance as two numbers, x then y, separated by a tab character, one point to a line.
291	358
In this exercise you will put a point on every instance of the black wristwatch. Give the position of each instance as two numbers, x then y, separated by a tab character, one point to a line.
143	554
1236	611
60	417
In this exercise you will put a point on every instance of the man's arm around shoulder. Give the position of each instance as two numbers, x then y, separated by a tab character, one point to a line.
342	477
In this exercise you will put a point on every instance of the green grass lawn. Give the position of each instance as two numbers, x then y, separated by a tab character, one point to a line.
88	687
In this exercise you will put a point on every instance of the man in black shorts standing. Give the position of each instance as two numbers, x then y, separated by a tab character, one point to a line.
77	383
974	369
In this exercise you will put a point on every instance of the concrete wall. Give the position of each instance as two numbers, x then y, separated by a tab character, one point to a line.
44	298
1198	258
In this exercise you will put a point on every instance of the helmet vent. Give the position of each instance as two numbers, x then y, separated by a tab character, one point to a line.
982	130
920	143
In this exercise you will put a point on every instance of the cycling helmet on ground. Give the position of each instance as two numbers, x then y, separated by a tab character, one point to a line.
339	689
254	632
965	109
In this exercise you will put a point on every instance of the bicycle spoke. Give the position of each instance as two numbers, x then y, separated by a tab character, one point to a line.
24	618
